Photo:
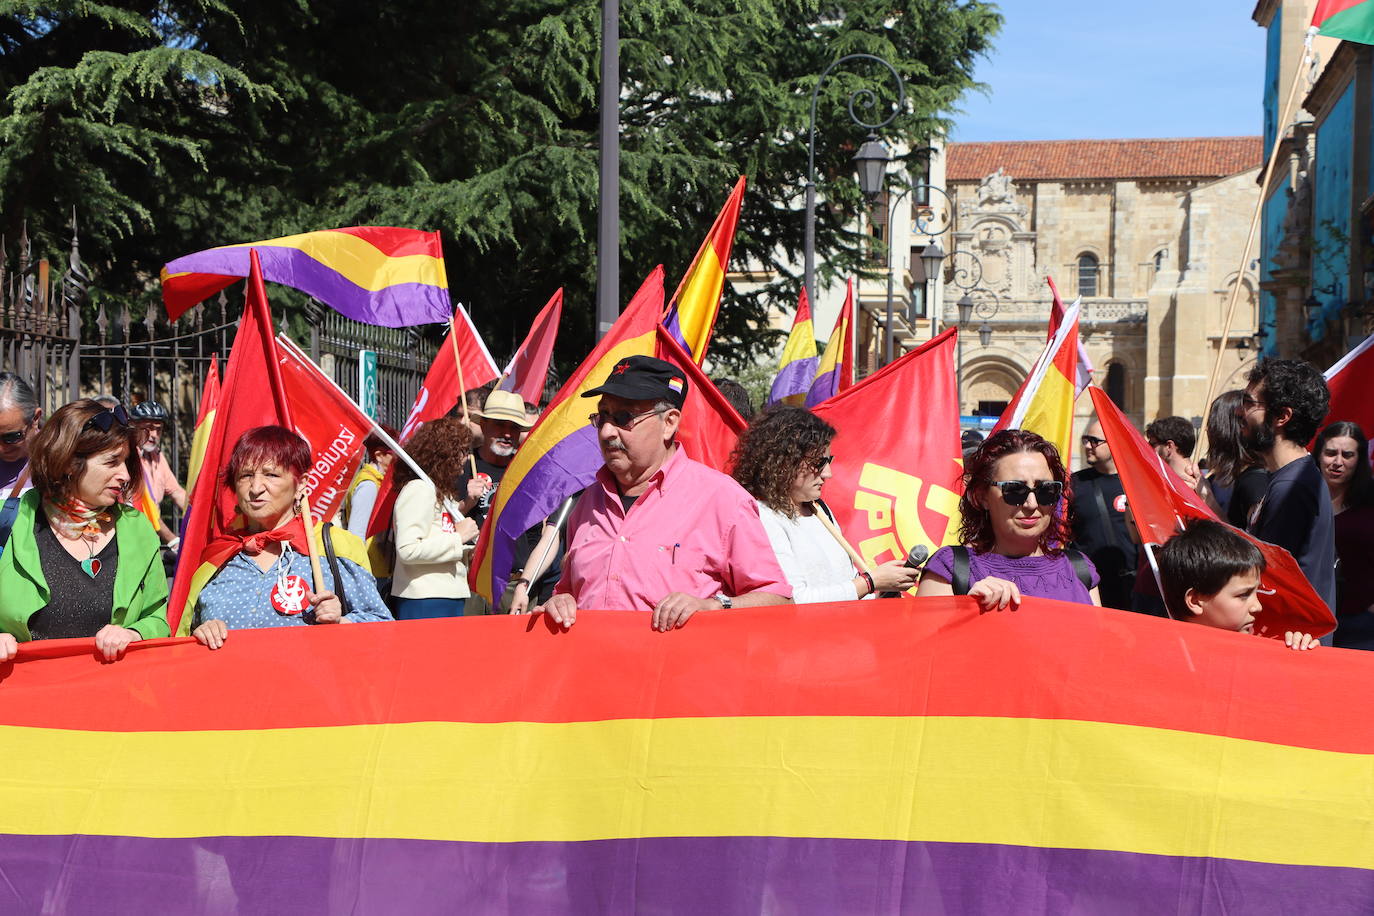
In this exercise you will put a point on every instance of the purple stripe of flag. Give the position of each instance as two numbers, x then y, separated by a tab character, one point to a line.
793	379
396	306
825	386
565	469
674	326
725	875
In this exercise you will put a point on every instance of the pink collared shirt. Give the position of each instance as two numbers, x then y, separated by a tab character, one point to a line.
694	530
161	480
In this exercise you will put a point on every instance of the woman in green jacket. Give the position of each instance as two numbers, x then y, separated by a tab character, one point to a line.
81	563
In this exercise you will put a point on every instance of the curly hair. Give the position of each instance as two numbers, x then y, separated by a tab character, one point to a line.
1298	386
975	526
773	449
439	447
1361	492
1227	453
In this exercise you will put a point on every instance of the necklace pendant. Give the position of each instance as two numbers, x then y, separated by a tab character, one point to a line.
91	567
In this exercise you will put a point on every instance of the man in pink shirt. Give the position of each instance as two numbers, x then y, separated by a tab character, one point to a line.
658	531
150	419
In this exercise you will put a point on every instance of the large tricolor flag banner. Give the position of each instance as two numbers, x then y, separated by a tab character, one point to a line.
528	371
1044	402
1352	20
1161	501
864	757
691	315
797	367
898	464
374	274
253	395
1351	381
835	371
561	456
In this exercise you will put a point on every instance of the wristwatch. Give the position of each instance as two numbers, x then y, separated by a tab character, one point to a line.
725	601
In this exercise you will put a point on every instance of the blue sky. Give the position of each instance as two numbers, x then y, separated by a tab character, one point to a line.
1074	69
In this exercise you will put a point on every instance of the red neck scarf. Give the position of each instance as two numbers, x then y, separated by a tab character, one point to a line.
230	542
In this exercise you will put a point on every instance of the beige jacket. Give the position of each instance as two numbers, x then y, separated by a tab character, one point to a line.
430	562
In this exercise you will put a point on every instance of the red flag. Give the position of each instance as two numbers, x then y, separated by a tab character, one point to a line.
252	395
440	391
1350	380
334	426
528	371
1084	375
1160	501
710	424
898	465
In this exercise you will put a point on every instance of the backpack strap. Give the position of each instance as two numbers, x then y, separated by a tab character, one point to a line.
959	574
334	565
10	511
1080	567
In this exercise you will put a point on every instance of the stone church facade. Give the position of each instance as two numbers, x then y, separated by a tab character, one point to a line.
1148	232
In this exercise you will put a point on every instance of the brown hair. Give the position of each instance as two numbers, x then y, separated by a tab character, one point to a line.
772	451
60	450
439	447
975	526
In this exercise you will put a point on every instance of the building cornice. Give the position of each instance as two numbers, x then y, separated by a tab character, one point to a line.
1264	11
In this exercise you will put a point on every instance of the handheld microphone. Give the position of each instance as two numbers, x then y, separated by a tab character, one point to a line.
914	560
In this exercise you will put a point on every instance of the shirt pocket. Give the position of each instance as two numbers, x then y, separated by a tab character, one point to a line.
666	568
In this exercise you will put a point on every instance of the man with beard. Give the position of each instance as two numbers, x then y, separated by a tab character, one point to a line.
657	531
1285	400
150	419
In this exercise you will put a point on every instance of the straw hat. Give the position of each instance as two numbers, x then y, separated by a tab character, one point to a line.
505	405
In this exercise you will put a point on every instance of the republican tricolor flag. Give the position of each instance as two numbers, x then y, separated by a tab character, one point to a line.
835	372
691	314
797	367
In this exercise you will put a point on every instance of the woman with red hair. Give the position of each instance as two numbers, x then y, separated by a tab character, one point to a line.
264	579
1014	529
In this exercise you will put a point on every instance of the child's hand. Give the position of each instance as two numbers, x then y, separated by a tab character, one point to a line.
1300	641
994	594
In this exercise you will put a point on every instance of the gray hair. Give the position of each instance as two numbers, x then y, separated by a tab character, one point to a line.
16	393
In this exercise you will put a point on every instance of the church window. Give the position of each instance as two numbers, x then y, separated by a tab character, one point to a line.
1087	274
1116	384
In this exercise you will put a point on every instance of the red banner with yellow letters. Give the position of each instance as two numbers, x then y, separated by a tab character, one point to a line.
898	464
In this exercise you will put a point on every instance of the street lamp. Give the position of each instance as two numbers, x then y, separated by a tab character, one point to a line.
867	99
871	163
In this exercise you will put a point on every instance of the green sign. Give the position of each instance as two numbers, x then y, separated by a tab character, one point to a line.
367	382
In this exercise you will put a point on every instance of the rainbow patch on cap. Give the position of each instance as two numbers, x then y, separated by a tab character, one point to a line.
676	385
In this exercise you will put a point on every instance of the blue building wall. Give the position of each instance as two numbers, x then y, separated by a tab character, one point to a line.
1331	229
1271	233
1272	45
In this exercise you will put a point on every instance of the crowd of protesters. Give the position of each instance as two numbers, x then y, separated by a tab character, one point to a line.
660	532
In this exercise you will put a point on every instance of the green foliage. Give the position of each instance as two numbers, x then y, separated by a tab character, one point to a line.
178	125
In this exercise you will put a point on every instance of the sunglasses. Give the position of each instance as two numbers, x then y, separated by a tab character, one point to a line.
620	419
1014	492
820	464
108	418
1092	441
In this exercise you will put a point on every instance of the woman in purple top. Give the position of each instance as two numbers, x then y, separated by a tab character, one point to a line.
1014	527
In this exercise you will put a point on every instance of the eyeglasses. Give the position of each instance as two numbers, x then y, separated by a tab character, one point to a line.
820	464
108	418
1014	492
1092	441
620	419
14	437
1250	403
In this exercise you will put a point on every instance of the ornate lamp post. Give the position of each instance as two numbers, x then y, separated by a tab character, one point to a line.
871	159
966	273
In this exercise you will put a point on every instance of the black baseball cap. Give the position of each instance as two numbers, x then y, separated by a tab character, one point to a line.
643	378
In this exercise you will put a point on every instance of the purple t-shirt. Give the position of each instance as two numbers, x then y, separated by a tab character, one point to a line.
1038	577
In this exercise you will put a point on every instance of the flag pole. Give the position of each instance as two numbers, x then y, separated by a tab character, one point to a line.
462	386
1265	175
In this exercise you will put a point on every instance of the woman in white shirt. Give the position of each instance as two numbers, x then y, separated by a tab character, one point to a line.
433	539
783	459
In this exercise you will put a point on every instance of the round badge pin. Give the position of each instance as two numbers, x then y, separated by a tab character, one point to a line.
288	595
